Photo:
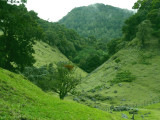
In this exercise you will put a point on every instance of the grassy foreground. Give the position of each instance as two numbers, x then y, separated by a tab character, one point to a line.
22	100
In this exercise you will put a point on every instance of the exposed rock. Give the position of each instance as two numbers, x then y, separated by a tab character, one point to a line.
124	116
108	87
123	100
120	84
76	99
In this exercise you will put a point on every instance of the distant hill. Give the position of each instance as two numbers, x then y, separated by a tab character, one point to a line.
99	20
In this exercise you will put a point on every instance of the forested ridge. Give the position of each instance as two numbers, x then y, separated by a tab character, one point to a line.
99	20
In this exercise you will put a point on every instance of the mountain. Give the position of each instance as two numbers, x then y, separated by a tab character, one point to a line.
22	100
99	20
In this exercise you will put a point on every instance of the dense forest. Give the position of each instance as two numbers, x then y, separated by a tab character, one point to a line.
99	20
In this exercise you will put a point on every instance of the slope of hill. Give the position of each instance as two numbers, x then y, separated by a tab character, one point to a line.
21	100
99	20
141	65
45	54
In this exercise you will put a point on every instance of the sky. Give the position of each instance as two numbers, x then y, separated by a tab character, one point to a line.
54	10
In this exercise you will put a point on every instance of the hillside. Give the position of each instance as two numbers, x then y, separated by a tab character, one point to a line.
99	20
129	63
21	100
45	54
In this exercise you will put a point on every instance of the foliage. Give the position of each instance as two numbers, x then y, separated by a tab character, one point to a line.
144	32
77	49
67	40
89	58
60	80
114	46
147	10
99	20
19	29
123	76
65	80
42	76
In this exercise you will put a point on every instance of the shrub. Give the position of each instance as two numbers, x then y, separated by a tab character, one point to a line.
42	76
65	79
123	76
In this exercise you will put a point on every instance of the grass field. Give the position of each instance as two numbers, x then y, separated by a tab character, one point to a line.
21	100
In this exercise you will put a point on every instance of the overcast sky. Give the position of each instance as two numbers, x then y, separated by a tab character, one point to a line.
54	10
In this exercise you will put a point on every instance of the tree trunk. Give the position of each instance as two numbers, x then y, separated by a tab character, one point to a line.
61	95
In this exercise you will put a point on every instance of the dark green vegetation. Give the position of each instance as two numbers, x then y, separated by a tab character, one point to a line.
67	40
147	10
19	29
99	20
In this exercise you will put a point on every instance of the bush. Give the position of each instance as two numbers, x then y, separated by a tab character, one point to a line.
124	76
65	79
42	76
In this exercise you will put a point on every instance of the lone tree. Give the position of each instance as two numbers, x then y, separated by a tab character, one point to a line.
65	79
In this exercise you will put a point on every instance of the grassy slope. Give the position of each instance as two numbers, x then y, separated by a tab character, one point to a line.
20	99
151	112
45	54
145	65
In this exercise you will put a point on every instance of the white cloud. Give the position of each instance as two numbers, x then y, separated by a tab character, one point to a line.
56	9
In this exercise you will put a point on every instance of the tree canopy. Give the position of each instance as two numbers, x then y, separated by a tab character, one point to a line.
147	10
99	20
19	30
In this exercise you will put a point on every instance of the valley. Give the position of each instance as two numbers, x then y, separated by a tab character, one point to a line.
98	62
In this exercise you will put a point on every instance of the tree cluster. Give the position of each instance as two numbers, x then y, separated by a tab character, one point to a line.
147	10
61	79
19	30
